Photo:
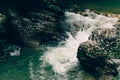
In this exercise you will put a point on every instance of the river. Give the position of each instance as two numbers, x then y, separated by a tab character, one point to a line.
56	62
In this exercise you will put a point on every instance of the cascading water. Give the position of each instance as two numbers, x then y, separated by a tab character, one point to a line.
63	58
58	63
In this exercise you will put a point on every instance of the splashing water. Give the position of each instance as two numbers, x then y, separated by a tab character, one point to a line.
58	62
62	58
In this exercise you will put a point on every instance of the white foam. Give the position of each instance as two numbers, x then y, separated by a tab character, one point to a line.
13	50
32	76
15	53
62	58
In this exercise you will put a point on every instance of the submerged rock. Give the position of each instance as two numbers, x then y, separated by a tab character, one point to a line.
12	50
3	43
96	54
7	49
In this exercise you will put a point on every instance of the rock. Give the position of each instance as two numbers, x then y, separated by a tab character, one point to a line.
33	44
96	55
41	26
109	39
3	41
104	77
6	47
2	47
100	35
33	20
95	60
2	27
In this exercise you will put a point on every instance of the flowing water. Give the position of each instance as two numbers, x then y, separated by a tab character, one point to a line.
60	62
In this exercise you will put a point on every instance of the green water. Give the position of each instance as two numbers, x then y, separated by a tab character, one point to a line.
28	66
17	68
110	6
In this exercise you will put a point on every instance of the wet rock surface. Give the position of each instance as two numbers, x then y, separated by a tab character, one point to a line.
29	23
96	54
108	39
32	23
40	27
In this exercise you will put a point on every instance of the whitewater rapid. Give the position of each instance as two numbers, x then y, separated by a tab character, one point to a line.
62	58
57	62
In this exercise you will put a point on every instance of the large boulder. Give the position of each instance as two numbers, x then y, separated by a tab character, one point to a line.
96	54
33	22
37	27
95	60
109	39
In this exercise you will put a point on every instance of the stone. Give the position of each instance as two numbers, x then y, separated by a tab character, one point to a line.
96	55
37	26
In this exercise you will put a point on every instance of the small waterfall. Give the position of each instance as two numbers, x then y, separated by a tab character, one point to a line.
62	58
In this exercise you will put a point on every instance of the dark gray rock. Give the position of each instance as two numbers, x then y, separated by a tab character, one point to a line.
109	39
95	60
96	54
3	41
39	27
2	27
30	21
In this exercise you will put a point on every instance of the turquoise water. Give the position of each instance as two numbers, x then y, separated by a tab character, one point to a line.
17	68
28	66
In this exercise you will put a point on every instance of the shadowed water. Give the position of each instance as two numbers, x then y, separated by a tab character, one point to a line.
109	6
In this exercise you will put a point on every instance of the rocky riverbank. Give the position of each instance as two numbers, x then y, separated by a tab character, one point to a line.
30	23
